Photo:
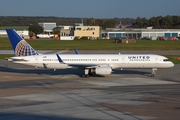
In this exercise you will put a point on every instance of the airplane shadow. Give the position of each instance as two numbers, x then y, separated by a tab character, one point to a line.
38	71
22	116
78	72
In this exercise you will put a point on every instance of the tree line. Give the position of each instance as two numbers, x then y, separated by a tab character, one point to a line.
159	22
27	21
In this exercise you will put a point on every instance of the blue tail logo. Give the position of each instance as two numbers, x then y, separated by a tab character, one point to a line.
20	46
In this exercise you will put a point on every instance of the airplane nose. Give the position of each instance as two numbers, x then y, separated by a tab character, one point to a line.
172	64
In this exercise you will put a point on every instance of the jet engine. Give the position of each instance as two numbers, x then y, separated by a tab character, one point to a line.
103	70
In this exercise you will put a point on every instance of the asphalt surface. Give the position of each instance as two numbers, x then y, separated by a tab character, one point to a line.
27	93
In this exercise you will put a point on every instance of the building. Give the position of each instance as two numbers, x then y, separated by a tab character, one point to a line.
3	33
66	30
23	33
140	33
48	27
92	32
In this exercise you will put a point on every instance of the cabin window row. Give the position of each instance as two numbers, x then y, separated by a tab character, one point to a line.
80	60
50	59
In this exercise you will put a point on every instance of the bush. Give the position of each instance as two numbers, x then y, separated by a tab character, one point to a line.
84	38
76	38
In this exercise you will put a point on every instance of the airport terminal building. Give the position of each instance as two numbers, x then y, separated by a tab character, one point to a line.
48	27
94	32
139	33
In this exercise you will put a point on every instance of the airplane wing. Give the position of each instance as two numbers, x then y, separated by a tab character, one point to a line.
83	65
76	65
56	52
62	51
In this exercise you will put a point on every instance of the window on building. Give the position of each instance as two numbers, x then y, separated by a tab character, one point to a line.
78	28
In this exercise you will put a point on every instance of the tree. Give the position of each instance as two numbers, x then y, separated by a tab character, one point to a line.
56	30
89	21
109	24
139	22
154	21
99	22
35	28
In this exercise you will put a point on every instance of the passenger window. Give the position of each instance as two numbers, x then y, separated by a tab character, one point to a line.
165	60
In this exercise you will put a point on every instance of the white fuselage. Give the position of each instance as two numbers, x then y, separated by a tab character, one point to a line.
116	61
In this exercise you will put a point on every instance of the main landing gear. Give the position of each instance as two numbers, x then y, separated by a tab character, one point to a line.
87	73
85	76
153	72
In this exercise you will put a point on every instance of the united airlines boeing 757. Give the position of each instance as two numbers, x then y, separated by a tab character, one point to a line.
101	64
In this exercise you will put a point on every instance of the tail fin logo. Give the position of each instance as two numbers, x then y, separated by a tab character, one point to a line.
24	49
20	46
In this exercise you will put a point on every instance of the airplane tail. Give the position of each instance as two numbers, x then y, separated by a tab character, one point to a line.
20	46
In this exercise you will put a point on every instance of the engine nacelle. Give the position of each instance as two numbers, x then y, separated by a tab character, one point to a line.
103	70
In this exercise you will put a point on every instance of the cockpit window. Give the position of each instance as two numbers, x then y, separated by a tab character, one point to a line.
166	60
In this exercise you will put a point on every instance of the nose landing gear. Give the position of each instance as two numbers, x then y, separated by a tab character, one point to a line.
153	72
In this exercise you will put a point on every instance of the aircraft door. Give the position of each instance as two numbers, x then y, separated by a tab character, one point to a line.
36	60
123	60
156	60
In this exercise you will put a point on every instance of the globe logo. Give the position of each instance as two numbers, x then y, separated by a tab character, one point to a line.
24	49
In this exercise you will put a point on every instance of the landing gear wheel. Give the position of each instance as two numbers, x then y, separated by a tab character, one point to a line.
83	76
152	75
87	76
87	73
153	72
90	74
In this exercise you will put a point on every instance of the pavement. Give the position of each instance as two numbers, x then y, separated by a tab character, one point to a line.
27	93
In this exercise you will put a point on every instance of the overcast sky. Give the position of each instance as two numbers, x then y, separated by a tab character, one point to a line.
90	8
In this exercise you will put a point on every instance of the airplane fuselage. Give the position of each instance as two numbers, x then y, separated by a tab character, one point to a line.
114	61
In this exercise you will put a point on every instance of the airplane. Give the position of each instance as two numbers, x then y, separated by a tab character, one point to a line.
100	64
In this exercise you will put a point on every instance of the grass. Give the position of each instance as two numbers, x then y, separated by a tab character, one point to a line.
40	44
14	27
5	56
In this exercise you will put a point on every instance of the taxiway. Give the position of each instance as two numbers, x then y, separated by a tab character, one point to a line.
30	93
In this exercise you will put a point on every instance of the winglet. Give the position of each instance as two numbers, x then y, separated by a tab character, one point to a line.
59	59
76	51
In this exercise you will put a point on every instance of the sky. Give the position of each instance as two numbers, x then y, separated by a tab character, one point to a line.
90	8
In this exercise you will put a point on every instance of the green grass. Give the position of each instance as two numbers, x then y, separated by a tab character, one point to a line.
14	27
95	45
5	56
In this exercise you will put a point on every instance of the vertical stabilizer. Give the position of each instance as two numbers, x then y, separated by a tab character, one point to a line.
20	46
